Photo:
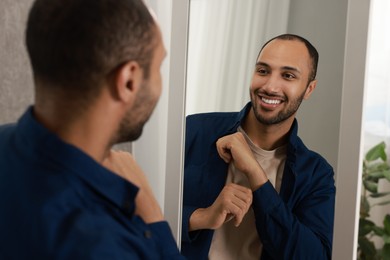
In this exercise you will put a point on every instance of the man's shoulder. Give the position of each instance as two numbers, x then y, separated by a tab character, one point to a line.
307	156
6	133
212	119
7	129
212	116
212	124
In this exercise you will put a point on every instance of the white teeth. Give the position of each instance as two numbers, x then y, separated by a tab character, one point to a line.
271	101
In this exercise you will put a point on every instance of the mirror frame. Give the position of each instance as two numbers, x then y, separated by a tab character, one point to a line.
176	117
349	167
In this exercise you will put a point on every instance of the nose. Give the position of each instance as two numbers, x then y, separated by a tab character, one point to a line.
272	84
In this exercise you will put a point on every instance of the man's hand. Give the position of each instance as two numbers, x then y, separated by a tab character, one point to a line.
234	148
233	202
123	164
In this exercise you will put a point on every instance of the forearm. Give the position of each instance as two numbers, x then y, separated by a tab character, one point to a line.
198	220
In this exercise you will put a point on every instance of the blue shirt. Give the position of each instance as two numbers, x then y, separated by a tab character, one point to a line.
297	223
56	202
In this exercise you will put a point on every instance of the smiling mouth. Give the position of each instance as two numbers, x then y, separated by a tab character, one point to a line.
271	101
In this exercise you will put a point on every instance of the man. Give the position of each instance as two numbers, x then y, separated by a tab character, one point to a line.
252	189
96	67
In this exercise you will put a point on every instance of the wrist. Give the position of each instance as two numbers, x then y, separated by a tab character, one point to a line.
148	208
198	219
257	178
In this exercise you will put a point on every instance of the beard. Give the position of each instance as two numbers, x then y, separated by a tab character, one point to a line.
128	131
281	116
131	126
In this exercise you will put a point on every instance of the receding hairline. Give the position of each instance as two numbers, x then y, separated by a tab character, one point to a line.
311	50
281	39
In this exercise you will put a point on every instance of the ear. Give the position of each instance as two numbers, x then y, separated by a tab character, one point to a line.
128	80
310	88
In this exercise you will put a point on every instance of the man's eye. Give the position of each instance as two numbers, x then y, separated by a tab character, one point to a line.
288	76
262	71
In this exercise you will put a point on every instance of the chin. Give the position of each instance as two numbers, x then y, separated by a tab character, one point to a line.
126	135
134	135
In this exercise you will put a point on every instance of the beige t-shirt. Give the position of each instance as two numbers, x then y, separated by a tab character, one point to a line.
242	242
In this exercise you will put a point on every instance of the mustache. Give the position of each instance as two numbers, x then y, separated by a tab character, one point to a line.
266	94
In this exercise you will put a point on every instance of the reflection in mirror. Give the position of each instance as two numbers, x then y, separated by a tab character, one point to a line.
330	120
223	47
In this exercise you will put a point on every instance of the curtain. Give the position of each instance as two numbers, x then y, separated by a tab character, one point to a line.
224	39
377	85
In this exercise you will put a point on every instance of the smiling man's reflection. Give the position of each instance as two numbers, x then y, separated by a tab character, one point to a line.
252	189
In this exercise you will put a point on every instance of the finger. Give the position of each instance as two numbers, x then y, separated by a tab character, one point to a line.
229	217
237	212
234	204
225	155
237	201
238	220
242	204
223	150
240	191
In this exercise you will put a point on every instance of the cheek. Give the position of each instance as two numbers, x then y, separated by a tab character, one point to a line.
257	82
159	85
155	81
156	85
296	91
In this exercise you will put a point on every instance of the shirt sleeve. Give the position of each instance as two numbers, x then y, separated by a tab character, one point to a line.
86	236
303	232
164	239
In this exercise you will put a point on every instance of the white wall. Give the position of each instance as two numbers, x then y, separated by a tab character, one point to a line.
324	24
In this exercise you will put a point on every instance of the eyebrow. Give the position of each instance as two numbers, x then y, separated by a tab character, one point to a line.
259	63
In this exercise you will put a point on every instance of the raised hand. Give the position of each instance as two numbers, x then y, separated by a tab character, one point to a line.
123	164
234	148
232	203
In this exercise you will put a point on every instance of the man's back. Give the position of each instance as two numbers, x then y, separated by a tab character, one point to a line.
57	202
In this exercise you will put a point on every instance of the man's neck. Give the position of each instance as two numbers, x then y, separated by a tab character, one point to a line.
90	131
267	137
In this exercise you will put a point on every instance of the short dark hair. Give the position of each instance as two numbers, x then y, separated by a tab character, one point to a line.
76	44
313	53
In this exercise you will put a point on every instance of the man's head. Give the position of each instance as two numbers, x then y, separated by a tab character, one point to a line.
75	44
79	47
310	48
284	75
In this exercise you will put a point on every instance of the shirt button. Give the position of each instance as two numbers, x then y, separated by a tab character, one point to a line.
148	234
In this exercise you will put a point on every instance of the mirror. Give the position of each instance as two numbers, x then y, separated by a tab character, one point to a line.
330	121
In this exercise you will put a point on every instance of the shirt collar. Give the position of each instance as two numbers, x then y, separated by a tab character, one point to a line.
293	133
240	117
74	161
